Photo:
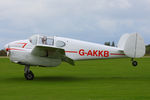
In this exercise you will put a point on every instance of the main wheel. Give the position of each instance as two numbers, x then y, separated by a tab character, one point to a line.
29	75
134	63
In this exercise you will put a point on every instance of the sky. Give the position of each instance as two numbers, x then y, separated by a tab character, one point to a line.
89	20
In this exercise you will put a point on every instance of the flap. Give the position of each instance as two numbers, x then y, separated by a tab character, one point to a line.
51	52
47	51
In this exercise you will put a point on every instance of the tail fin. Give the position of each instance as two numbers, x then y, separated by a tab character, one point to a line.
133	45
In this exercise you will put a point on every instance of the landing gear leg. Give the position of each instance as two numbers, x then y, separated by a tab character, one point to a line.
134	63
27	73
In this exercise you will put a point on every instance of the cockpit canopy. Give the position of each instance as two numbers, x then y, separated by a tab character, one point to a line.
41	40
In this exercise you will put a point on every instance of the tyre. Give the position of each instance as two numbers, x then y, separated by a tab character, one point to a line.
134	63
29	75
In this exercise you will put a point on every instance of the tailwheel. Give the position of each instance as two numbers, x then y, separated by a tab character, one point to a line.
27	73
134	63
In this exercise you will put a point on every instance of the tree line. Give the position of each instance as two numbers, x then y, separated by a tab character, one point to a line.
110	44
148	49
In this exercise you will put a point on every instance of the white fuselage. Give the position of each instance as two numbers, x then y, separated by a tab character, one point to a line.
20	52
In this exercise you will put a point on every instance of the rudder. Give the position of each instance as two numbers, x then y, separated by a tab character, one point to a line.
133	45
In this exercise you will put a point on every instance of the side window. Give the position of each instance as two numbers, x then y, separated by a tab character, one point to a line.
50	41
60	44
46	41
41	40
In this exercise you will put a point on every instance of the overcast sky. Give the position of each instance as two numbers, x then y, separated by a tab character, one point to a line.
90	20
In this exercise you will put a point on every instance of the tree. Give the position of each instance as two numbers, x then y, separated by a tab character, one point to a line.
110	44
107	43
148	49
3	53
113	44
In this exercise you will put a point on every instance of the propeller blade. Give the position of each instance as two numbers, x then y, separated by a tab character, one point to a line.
7	53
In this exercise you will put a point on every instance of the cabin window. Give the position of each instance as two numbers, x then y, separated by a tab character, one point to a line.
60	44
46	40
42	40
50	41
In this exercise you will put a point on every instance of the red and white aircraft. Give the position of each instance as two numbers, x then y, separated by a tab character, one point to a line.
51	51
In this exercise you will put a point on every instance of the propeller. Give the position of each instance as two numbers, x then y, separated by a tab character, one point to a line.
7	49
8	53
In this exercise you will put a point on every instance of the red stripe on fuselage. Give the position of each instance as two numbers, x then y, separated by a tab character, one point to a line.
7	49
116	54
86	53
71	51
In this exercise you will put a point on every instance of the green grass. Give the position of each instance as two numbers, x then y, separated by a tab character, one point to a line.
113	79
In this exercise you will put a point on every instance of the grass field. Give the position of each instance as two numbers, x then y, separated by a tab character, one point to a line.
113	79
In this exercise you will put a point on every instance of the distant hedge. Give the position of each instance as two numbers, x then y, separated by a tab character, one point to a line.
148	49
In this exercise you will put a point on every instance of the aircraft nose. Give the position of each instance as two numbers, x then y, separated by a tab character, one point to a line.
6	47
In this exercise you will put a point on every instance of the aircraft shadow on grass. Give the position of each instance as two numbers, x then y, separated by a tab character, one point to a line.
76	79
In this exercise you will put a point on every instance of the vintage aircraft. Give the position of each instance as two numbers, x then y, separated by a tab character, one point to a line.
45	51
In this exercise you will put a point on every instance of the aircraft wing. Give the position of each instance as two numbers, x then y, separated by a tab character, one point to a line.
51	52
